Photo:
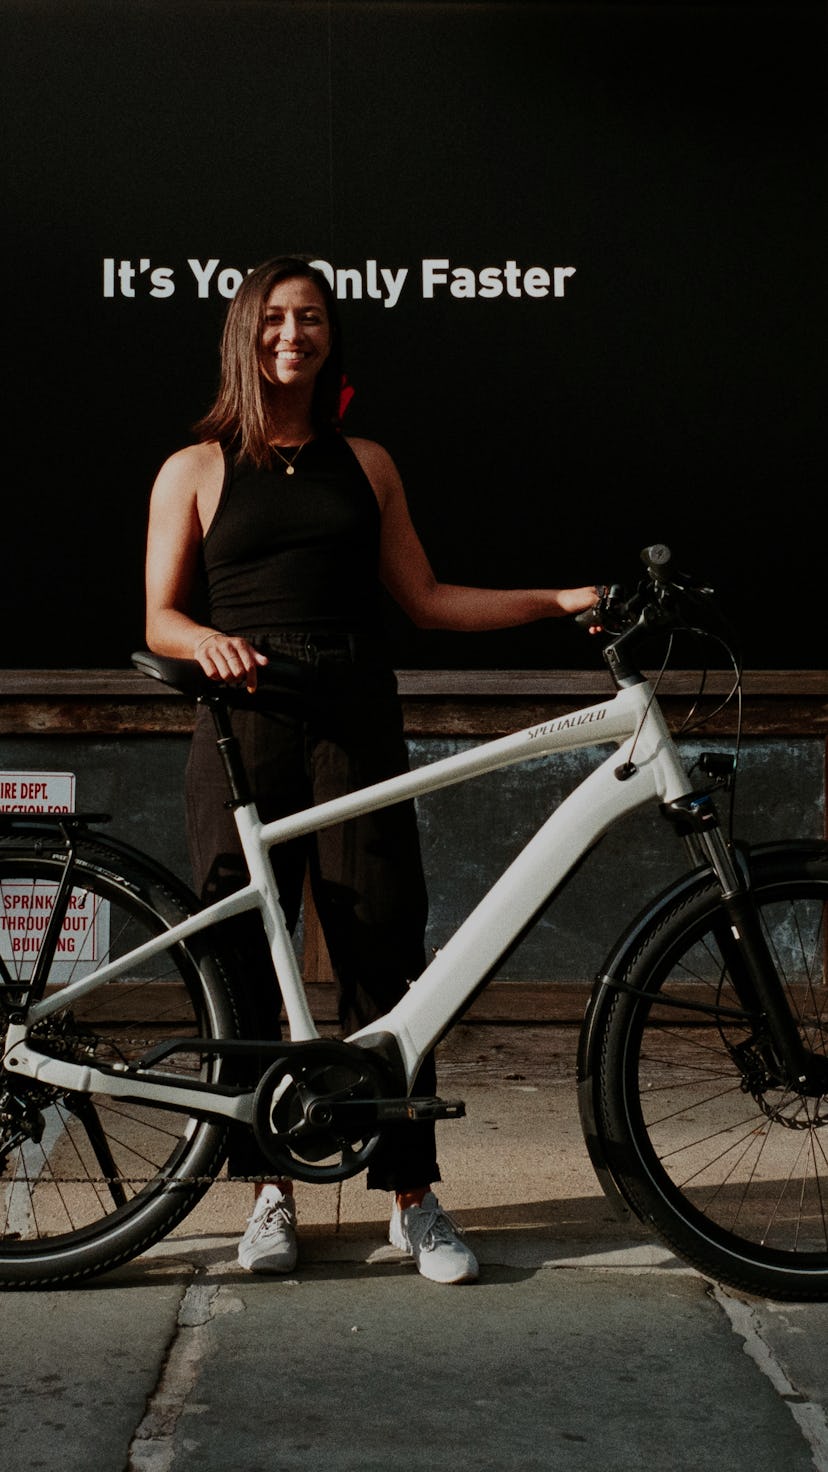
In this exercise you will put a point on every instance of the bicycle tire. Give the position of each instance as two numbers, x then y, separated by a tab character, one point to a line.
726	1166
98	1180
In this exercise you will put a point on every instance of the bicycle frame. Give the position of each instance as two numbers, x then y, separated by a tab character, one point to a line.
631	720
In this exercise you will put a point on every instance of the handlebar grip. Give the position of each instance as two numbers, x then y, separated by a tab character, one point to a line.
657	561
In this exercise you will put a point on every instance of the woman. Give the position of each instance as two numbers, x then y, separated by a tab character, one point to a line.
296	529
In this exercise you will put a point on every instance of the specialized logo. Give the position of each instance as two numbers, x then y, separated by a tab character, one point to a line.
567	723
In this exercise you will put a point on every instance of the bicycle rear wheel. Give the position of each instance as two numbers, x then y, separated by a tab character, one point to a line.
89	1181
728	1165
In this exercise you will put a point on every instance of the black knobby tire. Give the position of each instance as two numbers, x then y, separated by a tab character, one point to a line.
89	1181
728	1166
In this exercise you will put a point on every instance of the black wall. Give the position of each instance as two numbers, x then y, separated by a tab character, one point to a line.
673	154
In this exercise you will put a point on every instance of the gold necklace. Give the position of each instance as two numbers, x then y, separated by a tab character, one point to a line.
288	464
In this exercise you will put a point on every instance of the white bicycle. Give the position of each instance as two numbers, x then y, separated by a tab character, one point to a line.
702	1065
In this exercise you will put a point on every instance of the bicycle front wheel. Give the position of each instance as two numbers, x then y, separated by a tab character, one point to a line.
726	1163
89	1181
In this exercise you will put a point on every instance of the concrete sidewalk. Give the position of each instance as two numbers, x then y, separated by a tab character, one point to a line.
584	1346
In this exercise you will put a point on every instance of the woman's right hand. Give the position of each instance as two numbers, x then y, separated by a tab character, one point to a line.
229	658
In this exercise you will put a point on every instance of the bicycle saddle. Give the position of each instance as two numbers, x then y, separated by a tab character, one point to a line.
279	677
185	675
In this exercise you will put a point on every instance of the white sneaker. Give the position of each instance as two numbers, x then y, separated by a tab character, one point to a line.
269	1243
428	1235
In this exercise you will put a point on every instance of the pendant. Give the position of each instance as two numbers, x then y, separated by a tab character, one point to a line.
289	470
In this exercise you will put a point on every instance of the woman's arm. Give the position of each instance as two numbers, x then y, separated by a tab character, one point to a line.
190	477
407	574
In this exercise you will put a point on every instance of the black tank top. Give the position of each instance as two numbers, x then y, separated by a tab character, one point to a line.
295	551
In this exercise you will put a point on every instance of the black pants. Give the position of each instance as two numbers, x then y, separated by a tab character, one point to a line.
341	732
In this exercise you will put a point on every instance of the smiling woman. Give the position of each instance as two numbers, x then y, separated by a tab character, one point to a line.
297	528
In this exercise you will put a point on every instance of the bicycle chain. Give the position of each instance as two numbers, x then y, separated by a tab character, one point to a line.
52	1180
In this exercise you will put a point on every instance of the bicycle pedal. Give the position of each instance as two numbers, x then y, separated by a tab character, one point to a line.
420	1108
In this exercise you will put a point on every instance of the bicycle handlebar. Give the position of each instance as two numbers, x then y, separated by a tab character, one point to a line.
664	601
658	600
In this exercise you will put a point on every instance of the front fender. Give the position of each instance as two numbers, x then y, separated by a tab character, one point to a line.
592	1029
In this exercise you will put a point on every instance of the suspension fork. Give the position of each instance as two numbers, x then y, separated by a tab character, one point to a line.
745	950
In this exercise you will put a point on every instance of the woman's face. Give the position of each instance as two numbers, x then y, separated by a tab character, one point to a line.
296	337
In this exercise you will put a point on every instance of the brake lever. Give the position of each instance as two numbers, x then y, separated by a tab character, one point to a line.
612	614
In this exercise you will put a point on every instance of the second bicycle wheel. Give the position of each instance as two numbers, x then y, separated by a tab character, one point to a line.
88	1181
728	1165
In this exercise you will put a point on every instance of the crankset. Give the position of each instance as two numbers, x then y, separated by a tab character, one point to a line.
319	1112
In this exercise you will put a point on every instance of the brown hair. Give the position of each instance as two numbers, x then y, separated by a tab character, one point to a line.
238	417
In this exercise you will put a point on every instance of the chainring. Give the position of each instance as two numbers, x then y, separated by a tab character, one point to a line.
313	1073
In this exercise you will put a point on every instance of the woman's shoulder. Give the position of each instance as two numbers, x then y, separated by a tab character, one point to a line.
379	468
374	458
204	455
192	468
367	448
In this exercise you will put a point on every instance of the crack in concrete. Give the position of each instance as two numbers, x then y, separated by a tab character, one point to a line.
809	1417
153	1443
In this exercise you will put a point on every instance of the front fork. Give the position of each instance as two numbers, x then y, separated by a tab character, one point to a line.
745	951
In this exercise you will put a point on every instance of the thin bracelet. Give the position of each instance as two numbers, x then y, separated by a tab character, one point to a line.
211	635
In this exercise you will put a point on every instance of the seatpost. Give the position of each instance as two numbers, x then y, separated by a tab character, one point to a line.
229	751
